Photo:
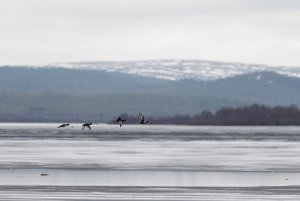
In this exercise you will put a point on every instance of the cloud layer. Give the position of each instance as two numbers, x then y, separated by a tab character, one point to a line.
251	31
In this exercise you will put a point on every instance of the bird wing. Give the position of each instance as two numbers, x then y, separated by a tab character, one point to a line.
141	116
62	125
118	119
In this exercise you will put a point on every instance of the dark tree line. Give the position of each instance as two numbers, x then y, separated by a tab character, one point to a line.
247	115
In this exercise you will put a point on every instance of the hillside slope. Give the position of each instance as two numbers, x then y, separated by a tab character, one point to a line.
85	95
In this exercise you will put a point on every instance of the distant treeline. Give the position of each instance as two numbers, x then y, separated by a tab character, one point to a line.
247	115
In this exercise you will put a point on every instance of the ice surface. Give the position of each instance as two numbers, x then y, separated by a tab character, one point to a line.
150	178
151	147
129	163
67	193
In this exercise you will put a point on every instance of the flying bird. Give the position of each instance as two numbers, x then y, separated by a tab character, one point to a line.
63	125
88	125
142	121
120	121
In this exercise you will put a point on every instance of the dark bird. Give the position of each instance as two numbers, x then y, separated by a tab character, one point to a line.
63	125
88	125
143	121
120	121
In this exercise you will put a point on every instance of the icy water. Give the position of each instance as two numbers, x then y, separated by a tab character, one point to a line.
147	162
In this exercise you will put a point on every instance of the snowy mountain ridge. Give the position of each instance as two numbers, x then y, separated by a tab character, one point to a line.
180	69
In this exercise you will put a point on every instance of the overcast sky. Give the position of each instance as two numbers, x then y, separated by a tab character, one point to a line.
250	31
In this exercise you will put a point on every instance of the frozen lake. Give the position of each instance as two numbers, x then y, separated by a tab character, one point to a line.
147	162
150	178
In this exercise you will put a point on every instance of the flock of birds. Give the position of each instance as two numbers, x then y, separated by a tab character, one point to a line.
118	120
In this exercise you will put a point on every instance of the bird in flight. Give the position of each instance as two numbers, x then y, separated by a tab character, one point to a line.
88	125
142	121
120	121
63	125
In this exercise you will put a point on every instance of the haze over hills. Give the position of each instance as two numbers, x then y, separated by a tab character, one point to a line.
57	94
180	69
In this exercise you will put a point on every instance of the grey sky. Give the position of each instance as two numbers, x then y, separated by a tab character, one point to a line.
251	31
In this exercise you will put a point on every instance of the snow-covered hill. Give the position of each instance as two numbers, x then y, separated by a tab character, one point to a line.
180	69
